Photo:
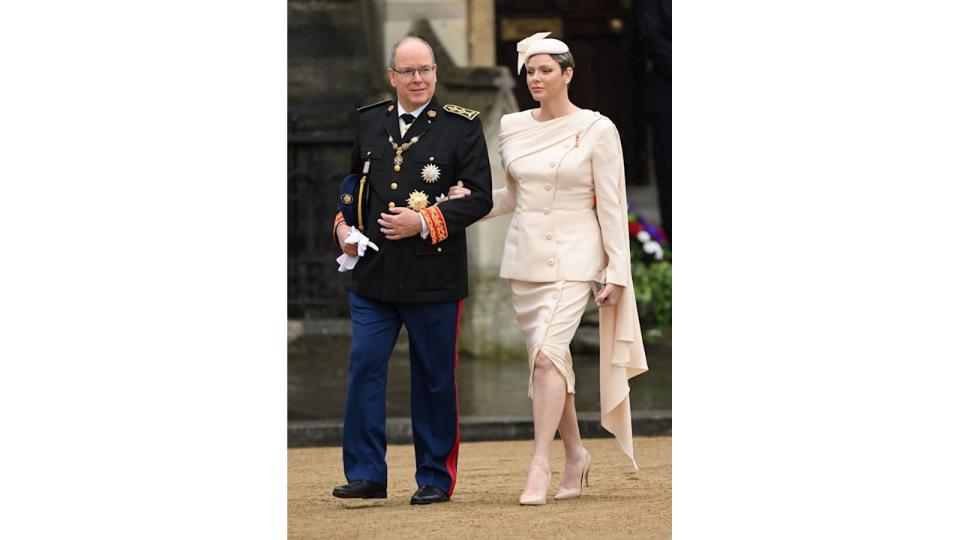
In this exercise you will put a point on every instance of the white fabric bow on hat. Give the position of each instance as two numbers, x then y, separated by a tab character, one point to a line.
524	44
356	237
536	44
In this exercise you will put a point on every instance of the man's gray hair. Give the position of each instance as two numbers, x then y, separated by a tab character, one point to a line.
404	39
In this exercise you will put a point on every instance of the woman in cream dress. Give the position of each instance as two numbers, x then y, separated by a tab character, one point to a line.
565	188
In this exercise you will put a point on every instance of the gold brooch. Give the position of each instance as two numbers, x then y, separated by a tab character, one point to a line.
430	173
418	201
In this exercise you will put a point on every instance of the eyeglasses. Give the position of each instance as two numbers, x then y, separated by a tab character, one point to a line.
407	73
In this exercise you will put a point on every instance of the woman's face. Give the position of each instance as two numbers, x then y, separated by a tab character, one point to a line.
544	78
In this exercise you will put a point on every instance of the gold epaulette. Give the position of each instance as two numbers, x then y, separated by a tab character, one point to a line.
373	105
469	114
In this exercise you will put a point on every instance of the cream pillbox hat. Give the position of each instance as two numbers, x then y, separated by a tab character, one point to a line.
536	44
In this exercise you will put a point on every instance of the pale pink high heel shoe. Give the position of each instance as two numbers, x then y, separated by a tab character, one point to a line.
537	499
565	493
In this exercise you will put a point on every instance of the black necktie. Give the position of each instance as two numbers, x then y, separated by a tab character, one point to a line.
407	119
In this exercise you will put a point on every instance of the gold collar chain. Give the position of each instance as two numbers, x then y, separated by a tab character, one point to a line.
400	149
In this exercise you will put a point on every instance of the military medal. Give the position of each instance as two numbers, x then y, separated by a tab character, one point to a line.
430	173
400	149
418	201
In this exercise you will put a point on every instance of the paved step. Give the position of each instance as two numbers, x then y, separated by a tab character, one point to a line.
305	433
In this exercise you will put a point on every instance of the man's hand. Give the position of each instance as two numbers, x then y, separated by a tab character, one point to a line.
343	231
400	223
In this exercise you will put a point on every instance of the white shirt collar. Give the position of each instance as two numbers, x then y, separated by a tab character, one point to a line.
416	113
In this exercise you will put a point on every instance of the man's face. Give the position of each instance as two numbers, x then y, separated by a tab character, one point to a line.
417	89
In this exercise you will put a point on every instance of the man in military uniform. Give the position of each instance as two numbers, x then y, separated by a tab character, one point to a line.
410	151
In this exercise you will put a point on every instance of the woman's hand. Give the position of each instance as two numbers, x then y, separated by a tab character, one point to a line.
609	296
458	191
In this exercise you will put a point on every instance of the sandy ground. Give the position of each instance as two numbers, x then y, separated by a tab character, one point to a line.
620	502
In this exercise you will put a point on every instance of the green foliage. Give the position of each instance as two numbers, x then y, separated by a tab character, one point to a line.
652	285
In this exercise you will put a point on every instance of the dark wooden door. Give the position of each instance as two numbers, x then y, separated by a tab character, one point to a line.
601	34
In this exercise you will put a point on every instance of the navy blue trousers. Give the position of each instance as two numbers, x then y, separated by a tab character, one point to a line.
433	328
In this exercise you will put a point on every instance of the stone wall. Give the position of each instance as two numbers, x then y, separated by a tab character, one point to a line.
333	66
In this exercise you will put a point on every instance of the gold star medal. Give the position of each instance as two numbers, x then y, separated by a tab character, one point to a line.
430	173
418	201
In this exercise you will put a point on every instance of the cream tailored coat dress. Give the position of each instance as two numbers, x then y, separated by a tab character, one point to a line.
566	189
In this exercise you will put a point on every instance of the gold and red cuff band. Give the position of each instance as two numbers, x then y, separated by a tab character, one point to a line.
435	224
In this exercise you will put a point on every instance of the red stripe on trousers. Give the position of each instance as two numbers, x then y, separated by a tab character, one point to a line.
455	452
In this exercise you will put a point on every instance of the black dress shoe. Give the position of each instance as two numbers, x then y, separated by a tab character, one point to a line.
361	489
428	495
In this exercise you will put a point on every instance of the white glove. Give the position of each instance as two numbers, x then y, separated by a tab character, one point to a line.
356	237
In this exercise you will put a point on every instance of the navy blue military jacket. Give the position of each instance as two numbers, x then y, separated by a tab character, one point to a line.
450	147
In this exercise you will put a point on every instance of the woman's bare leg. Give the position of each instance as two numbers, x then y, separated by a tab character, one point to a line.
549	394
572	445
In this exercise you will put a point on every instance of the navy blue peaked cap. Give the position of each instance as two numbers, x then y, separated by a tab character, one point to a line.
353	201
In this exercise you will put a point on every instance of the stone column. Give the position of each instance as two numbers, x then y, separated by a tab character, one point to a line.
481	44
489	327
